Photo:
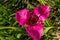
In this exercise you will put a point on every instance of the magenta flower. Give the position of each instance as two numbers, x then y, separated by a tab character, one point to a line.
33	20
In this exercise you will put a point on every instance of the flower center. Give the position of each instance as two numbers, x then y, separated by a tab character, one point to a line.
33	19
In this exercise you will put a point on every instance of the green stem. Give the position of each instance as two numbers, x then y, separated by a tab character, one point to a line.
42	1
47	29
47	22
14	28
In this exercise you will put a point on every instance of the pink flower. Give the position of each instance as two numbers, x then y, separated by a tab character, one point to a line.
33	20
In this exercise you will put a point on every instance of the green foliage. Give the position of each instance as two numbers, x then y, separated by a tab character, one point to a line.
11	30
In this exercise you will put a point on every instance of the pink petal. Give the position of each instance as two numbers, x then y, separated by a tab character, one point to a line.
22	16
42	12
35	31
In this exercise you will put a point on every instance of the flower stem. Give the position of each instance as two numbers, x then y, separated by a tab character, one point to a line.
14	28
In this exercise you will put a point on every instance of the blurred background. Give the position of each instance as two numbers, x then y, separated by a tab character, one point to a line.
11	30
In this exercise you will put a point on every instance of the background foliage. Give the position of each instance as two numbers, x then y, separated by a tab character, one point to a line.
11	30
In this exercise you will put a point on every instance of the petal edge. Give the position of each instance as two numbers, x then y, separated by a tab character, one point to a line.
35	31
22	16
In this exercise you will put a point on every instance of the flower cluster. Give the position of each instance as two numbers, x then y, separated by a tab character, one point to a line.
33	20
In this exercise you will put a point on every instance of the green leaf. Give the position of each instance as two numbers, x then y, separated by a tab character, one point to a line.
42	1
8	27
19	35
46	29
30	6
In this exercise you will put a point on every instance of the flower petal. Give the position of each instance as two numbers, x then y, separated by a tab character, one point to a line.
35	31
22	16
42	12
